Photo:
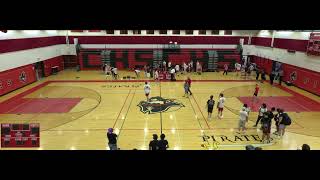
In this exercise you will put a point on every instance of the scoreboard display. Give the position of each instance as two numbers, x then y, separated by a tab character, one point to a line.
20	135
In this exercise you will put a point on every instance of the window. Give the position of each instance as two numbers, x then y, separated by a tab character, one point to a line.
175	31
150	31
202	32
215	32
189	32
123	31
163	32
228	32
136	31
110	31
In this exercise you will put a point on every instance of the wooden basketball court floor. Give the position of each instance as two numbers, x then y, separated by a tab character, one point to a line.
75	109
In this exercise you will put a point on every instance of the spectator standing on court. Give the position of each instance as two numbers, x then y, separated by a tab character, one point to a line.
226	67
237	68
177	68
284	120
173	72
186	89
272	76
163	143
251	68
257	73
156	74
164	65
243	119
305	147
185	68
262	110
263	75
210	105
115	73
112	138
153	145
276	119
280	76
189	82
266	125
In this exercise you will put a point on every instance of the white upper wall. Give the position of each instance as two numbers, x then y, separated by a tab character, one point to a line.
299	59
17	34
284	34
20	34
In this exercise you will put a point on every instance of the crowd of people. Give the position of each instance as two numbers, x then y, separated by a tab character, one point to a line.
265	117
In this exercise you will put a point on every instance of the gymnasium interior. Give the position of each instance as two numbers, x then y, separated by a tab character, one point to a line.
55	93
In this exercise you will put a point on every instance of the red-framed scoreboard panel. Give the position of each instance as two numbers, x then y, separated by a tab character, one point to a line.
20	135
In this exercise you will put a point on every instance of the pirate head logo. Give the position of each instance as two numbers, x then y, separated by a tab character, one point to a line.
23	77
293	76
159	104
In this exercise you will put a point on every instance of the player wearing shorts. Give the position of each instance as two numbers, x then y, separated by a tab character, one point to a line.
266	125
255	94
147	90
226	67
243	119
156	74
220	105
262	110
210	105
189	82
186	89
137	71
238	68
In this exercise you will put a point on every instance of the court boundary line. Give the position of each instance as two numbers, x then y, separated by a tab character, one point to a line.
125	101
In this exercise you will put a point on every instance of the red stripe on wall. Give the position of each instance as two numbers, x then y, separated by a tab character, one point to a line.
12	45
291	44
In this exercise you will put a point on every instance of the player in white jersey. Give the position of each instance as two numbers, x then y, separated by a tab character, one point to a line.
147	89
221	105
238	68
243	119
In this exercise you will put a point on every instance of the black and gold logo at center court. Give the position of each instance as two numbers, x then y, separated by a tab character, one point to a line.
158	104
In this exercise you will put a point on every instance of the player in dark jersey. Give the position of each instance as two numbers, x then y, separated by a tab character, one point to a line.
210	105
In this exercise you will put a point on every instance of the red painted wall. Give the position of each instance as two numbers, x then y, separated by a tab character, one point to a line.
11	45
48	64
306	79
143	57
13	76
290	44
263	63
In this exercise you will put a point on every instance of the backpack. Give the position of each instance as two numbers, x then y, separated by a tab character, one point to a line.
286	119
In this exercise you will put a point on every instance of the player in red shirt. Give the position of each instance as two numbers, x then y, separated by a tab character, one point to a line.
256	92
189	82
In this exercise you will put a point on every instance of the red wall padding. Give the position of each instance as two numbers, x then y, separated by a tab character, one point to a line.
48	64
261	41
306	79
263	63
11	45
13	76
291	44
